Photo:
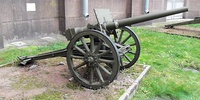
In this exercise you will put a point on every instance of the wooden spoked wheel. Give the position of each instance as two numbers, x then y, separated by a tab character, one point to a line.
129	46
93	59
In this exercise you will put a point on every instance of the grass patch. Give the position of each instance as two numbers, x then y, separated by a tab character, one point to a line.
11	54
168	55
135	70
194	25
27	83
74	86
49	95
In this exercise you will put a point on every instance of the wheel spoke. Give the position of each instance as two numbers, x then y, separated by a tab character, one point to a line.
91	44
104	53
91	75
79	49
84	73
77	57
131	52
120	37
105	60
126	39
80	65
99	75
133	44
98	47
104	69
127	58
85	45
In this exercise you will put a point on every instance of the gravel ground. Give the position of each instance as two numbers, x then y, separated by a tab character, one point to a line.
46	75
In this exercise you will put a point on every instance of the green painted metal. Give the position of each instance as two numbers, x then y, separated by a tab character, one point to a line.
94	64
128	45
194	21
147	17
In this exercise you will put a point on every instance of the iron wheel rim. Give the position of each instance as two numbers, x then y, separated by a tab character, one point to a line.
92	57
127	36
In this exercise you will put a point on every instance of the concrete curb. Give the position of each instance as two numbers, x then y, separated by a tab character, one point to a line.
6	65
128	94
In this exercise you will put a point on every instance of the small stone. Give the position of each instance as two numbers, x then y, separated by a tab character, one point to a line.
2	98
71	79
61	63
65	97
33	67
191	69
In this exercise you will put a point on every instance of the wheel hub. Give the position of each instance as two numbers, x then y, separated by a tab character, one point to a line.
91	58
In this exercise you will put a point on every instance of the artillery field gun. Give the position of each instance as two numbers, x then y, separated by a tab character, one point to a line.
194	21
96	53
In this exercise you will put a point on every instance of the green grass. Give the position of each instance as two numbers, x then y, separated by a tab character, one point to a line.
49	95
74	86
11	54
169	55
194	25
27	83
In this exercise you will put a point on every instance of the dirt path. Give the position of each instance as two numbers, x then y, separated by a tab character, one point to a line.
23	83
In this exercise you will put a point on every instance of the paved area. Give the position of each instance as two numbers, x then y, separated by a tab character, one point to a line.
37	41
172	21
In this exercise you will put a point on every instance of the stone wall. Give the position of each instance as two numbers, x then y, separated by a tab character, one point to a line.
16	22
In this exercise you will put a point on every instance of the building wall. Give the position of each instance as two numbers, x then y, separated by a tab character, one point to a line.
155	6
74	17
16	22
193	6
119	8
138	6
55	16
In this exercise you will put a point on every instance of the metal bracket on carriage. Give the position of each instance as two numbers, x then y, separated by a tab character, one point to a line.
24	60
122	49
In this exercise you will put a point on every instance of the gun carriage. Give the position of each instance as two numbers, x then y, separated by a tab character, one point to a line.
96	53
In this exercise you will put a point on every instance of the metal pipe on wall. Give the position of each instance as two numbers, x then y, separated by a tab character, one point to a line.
85	9
146	6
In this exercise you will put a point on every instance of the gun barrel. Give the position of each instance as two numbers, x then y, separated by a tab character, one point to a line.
143	18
